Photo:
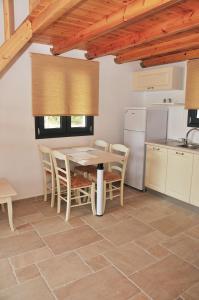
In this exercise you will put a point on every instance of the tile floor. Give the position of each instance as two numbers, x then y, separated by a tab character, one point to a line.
147	250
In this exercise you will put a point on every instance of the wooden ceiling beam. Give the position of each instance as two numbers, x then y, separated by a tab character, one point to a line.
9	24
15	44
53	11
170	58
188	20
130	13
33	4
188	42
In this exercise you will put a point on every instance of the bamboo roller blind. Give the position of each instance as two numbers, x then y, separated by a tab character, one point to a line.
64	86
192	86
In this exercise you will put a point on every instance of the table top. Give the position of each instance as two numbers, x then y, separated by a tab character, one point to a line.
89	156
6	190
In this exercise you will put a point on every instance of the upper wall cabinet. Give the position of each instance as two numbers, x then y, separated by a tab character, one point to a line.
161	79
192	86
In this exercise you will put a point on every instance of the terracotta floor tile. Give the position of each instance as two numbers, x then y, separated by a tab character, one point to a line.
62	269
77	211
31	257
107	284
185	247
166	279
51	225
76	222
158	251
152	239
140	296
151	213
100	222
125	231
48	211
175	224
27	273
23	208
38	216
192	293
20	226
35	289
130	192
143	200
193	232
94	249
129	258
97	262
15	245
119	213
7	278
72	239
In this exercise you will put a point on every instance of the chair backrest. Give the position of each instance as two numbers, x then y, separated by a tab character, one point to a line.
46	159
119	166
62	169
101	145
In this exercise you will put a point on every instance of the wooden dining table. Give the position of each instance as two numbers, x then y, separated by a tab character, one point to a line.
86	156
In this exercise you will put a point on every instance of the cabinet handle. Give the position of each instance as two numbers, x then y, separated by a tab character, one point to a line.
179	153
156	148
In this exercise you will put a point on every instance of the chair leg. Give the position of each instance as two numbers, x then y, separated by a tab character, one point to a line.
58	199
68	208
92	191
10	214
45	187
52	190
110	191
104	196
121	193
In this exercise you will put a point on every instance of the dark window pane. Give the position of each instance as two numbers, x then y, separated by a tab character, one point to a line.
58	126
193	118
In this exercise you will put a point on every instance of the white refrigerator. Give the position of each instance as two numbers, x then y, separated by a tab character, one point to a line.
142	124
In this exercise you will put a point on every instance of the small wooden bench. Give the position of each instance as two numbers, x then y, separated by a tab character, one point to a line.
6	194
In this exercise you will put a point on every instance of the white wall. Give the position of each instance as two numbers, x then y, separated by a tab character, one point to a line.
19	157
177	122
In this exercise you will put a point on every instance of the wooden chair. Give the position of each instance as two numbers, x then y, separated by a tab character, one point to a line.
84	170
74	190
48	173
6	194
115	175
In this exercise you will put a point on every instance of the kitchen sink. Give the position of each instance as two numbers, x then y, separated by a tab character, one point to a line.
189	146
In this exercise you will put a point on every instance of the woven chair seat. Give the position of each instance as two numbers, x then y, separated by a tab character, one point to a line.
108	176
78	182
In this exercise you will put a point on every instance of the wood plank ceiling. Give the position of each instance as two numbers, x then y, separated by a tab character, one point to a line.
153	31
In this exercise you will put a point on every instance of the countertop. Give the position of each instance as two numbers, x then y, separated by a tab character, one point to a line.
171	144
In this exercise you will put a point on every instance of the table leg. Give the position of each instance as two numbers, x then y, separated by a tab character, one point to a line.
10	214
100	193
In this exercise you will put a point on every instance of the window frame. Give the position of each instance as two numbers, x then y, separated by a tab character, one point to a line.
65	131
192	120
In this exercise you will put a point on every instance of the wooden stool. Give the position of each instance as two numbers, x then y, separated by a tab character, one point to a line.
6	194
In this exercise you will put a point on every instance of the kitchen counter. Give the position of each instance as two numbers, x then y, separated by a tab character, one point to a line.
171	144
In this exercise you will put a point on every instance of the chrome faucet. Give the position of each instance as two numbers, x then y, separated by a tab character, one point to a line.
187	135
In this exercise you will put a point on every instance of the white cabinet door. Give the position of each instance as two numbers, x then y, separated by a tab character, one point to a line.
156	165
194	197
179	173
166	78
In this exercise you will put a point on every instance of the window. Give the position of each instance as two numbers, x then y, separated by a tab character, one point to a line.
56	126
193	118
